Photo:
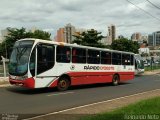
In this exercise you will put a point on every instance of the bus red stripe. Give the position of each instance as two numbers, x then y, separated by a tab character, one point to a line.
79	78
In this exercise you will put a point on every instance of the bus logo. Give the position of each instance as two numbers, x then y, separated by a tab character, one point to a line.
72	67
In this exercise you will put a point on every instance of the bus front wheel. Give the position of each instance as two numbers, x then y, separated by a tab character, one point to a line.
115	80
63	84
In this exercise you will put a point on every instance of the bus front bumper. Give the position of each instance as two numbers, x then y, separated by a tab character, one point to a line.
28	83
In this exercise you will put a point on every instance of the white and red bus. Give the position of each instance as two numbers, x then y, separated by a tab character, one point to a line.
36	63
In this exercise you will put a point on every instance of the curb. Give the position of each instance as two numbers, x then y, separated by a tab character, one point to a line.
151	72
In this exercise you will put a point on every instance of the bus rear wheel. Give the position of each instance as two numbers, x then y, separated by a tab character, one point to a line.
115	80
63	84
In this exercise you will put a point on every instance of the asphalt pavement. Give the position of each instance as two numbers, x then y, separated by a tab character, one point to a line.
29	103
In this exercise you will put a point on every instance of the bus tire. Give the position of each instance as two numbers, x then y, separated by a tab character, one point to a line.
115	80
63	84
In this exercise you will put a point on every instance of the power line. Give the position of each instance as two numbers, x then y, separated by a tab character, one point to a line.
143	10
153	4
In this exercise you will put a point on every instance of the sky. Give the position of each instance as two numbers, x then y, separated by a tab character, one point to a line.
50	15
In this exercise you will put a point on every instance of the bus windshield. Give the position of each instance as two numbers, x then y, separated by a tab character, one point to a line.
19	57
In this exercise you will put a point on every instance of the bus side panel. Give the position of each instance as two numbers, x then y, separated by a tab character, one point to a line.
126	76
54	83
90	80
79	78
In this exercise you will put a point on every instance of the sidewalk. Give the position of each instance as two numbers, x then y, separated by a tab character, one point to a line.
151	72
4	81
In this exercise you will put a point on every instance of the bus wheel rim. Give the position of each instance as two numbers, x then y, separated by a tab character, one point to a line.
63	84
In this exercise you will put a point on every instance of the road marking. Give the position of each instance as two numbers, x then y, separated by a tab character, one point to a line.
60	93
53	113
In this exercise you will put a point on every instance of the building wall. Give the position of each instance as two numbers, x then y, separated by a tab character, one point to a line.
69	31
111	34
154	39
60	35
150	40
136	36
4	33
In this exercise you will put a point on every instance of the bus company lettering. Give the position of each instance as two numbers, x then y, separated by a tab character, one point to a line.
88	67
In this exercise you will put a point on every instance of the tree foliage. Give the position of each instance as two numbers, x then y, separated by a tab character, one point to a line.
125	45
16	34
39	34
89	38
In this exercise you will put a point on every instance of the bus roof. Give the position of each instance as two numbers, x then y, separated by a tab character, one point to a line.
73	45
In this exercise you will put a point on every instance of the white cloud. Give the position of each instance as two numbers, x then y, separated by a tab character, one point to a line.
98	14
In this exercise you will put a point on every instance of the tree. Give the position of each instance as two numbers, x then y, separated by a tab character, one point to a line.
89	38
16	34
124	44
39	34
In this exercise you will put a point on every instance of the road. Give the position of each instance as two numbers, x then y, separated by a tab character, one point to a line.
29	103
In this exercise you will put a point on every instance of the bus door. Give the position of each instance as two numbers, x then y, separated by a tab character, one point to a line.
44	63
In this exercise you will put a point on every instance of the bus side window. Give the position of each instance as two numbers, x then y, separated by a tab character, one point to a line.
93	57
116	58
132	59
135	64
126	59
74	56
105	57
63	54
78	55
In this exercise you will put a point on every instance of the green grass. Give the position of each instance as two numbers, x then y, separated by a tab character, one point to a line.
147	109
148	68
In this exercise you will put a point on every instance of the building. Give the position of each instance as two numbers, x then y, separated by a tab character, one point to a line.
111	34
144	38
136	36
60	35
69	31
5	33
1	39
143	49
150	40
33	29
154	39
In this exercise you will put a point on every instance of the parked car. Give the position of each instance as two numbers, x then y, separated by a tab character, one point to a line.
157	62
146	63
